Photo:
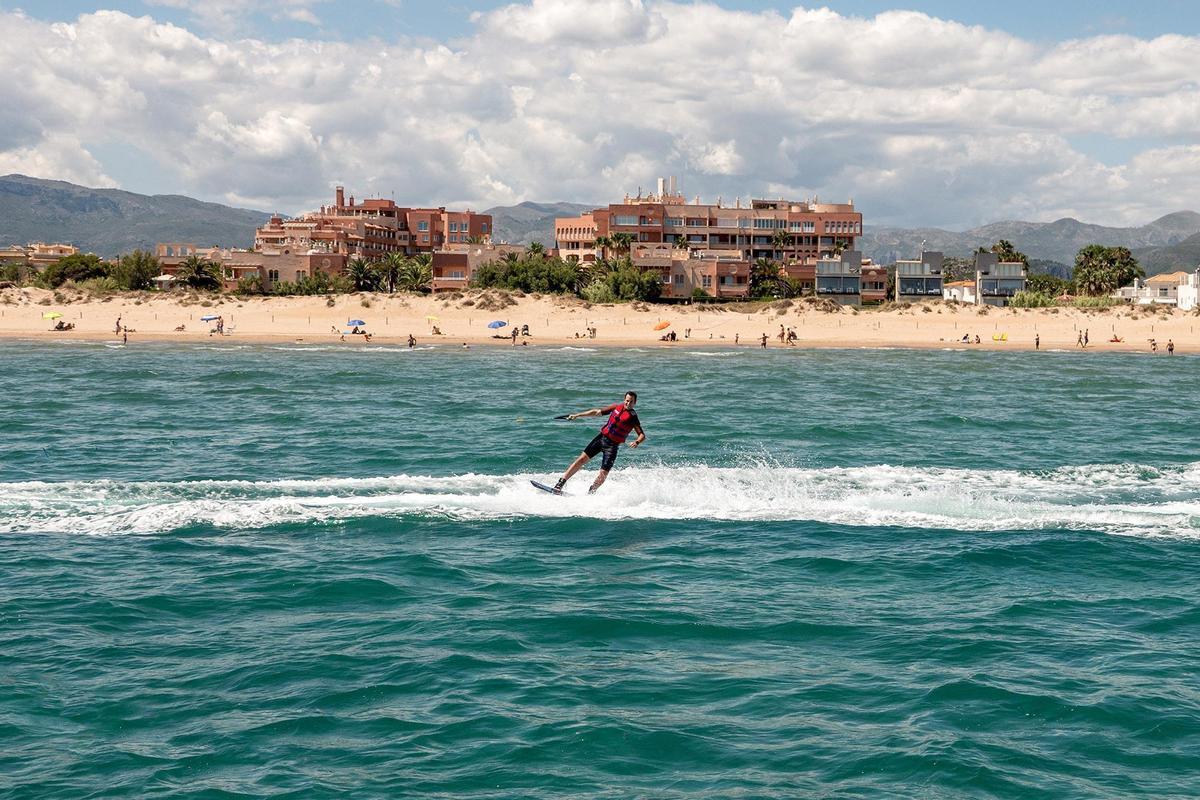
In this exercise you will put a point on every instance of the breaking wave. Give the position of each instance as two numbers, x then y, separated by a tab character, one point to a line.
1121	498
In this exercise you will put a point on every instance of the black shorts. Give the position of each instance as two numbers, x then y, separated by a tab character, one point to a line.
602	444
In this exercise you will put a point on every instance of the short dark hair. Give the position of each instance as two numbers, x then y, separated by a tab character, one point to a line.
633	395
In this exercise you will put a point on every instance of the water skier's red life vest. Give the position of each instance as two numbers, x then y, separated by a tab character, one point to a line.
620	422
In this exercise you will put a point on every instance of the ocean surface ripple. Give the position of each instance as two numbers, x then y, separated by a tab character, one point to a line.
311	572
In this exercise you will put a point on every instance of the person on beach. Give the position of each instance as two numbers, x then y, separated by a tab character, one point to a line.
1079	340
735	337
1037	341
515	333
621	420
411	342
1170	347
124	336
117	329
782	334
1085	338
764	341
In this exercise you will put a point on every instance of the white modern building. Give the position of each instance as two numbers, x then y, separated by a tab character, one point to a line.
1180	289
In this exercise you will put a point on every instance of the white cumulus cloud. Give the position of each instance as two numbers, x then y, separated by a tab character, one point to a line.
923	121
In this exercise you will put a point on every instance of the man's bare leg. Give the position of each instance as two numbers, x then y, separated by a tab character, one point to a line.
601	476
576	465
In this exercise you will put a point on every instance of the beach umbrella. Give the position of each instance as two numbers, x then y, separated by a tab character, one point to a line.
497	324
431	318
51	315
209	318
660	326
353	322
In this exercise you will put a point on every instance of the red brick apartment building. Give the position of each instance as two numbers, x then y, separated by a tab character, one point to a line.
790	231
711	246
372	229
271	267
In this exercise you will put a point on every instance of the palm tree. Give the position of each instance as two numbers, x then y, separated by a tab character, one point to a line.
200	273
764	278
781	241
621	242
602	243
393	264
362	273
417	274
536	250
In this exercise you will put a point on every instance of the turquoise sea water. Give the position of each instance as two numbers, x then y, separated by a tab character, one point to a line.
301	572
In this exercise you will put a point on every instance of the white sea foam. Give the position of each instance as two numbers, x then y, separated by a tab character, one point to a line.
1122	499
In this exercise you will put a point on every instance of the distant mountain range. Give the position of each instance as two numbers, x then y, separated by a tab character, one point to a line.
1166	244
111	221
532	222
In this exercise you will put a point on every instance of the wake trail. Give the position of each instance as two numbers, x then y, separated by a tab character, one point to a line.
1115	498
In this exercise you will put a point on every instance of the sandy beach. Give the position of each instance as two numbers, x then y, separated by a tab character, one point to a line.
556	320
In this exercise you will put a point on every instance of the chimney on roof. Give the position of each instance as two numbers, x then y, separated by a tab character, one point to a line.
341	196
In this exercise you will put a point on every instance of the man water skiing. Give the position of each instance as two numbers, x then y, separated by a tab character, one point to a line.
621	420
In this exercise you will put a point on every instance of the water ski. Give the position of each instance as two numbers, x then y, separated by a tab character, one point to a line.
546	488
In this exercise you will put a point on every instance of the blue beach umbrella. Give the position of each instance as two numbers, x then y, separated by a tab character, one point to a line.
497	324
209	318
353	322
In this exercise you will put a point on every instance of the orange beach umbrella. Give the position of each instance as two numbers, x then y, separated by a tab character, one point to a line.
661	325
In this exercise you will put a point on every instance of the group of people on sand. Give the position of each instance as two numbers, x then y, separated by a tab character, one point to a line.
355	331
590	333
1170	346
787	336
63	326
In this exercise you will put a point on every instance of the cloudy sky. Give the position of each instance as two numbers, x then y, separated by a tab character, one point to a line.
930	113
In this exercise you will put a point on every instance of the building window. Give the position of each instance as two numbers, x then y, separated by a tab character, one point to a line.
706	281
453	236
273	275
679	280
454	227
422	226
674	222
624	220
485	227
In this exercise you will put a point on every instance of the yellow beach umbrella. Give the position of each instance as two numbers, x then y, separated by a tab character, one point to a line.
431	318
51	315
